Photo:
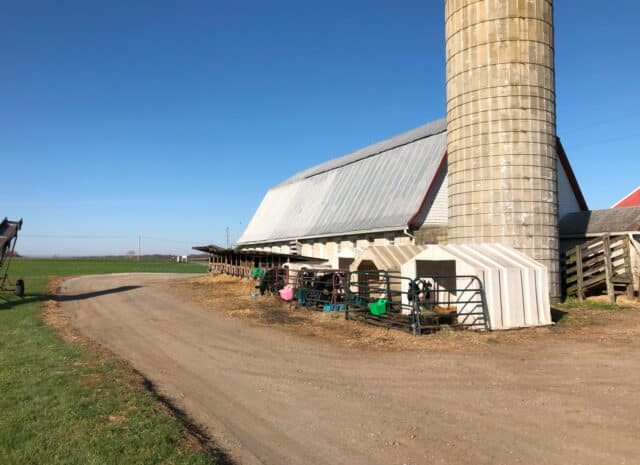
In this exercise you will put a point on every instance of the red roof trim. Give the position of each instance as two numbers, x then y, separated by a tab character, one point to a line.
564	161
562	156
432	185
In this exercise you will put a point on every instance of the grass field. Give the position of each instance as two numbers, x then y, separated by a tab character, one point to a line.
59	403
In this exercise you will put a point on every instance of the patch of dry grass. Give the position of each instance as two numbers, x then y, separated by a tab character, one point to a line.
231	296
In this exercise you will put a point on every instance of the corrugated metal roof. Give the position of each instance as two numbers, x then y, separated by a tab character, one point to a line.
376	188
426	130
215	250
612	220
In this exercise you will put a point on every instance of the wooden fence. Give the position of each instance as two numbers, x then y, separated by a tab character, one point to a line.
241	271
603	262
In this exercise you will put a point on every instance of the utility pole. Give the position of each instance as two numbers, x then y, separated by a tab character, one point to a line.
227	237
139	246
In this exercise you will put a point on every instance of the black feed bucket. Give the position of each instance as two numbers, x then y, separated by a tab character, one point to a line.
19	291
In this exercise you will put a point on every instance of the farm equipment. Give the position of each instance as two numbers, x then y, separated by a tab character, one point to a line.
8	238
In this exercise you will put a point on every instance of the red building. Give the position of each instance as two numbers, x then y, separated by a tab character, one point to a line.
631	200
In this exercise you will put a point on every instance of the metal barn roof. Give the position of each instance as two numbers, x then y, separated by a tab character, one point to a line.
377	188
594	222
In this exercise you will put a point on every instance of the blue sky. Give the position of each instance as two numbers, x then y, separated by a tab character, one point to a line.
170	120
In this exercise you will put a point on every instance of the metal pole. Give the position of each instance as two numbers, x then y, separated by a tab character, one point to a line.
139	246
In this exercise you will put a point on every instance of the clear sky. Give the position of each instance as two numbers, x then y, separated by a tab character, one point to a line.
170	120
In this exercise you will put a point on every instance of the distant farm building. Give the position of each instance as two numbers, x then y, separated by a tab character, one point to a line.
631	200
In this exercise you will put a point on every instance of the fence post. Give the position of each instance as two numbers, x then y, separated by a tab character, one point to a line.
629	268
347	294
579	275
608	269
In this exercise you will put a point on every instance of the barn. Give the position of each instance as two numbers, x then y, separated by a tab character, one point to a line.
492	171
392	193
484	189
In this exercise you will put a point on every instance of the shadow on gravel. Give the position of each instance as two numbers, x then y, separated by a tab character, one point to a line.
206	443
90	295
557	314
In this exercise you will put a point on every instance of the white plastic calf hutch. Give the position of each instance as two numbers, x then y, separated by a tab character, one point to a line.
516	286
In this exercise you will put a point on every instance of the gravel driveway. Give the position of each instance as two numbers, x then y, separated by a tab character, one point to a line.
271	397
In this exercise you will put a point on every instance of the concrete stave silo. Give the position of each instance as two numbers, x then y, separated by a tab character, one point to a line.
501	127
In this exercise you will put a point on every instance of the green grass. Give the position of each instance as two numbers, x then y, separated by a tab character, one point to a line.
573	303
59	403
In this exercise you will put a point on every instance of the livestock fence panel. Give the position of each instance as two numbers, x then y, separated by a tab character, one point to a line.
601	263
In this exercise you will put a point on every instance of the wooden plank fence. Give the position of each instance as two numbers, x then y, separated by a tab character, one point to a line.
604	262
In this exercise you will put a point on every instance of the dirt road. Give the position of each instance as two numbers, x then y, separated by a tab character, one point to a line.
270	397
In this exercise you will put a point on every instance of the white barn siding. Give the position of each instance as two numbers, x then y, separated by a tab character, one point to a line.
567	201
307	250
439	211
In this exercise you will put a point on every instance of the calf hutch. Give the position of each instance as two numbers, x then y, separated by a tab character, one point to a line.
513	287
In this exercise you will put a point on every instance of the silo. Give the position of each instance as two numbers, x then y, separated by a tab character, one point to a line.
501	127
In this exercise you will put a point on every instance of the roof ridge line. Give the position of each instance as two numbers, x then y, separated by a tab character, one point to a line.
434	130
364	157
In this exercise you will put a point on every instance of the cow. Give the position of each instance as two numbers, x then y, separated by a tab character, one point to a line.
270	283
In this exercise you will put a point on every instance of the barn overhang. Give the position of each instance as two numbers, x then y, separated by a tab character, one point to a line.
235	255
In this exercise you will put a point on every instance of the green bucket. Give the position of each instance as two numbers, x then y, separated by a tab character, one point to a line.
379	307
257	272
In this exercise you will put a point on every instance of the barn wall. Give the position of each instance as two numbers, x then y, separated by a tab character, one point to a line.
402	240
307	249
346	247
439	211
435	208
567	201
431	234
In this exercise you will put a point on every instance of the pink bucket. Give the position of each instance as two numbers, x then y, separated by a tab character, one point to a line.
286	293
